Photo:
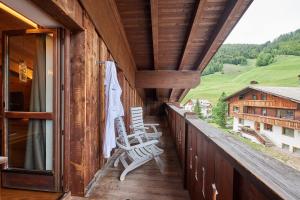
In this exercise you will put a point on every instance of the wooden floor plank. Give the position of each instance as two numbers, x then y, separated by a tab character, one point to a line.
145	183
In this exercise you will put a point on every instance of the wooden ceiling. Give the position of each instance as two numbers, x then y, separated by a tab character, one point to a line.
9	22
177	34
22	45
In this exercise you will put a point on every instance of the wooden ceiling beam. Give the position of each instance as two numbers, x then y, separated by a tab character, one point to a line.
190	37
70	18
234	11
167	79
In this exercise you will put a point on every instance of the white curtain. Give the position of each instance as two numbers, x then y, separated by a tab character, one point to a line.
35	158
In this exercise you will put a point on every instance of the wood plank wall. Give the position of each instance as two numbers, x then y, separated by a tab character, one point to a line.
87	118
85	104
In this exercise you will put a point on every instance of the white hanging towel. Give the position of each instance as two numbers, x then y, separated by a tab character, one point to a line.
114	107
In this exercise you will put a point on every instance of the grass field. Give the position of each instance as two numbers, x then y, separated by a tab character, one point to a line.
283	72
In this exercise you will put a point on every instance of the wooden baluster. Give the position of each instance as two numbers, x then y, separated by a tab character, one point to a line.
191	159
203	182
196	168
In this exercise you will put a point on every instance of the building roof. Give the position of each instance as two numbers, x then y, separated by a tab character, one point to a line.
291	93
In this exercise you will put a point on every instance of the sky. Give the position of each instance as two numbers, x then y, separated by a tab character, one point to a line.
265	20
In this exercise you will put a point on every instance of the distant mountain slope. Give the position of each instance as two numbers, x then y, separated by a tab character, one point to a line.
285	44
283	72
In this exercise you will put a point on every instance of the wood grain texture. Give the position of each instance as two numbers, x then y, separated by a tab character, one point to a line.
67	12
13	194
154	23
107	21
103	56
146	182
67	111
176	34
28	181
190	40
167	79
78	125
136	20
238	168
232	12
29	115
92	134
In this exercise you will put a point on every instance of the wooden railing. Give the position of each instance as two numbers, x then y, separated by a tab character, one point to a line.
217	166
254	134
288	123
268	104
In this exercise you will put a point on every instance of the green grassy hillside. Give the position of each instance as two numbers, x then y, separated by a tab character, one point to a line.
283	72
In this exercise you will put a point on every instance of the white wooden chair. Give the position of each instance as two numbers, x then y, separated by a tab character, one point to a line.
133	156
138	125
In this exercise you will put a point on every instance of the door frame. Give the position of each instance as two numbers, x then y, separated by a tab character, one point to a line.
19	178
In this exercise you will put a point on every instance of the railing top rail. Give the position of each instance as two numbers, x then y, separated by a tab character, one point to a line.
270	117
278	177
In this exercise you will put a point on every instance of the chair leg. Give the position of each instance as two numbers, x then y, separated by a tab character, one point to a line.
132	166
116	163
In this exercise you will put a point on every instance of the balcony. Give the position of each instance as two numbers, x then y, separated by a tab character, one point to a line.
217	166
203	162
293	124
268	104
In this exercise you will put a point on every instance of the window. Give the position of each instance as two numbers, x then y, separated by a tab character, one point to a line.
241	97
235	109
241	121
288	132
285	146
296	150
286	114
264	111
263	96
268	127
29	93
254	97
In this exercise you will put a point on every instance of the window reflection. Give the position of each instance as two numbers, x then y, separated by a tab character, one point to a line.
30	89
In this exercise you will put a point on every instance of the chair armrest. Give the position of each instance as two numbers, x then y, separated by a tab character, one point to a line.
144	144
122	146
135	134
151	124
142	128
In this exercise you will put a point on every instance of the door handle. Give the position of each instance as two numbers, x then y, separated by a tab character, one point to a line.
215	191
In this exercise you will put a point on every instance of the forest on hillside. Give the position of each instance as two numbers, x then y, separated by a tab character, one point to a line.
237	54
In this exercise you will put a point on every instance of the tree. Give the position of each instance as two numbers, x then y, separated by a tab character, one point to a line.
219	112
264	59
197	109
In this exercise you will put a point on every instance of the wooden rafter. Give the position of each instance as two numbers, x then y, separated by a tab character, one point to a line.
229	19
191	35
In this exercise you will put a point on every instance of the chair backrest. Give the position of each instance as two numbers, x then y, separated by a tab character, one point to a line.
137	121
122	134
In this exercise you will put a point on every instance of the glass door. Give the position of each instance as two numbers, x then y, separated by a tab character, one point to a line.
31	109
